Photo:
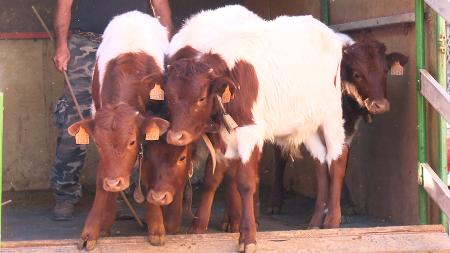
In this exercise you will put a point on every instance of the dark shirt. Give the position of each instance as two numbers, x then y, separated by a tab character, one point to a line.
182	9
94	15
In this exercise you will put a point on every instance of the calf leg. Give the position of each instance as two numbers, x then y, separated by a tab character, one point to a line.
99	213
233	209
322	194
276	198
337	173
247	177
155	225
110	216
211	183
173	213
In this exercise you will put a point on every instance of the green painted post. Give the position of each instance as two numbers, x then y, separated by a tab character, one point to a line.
421	134
1	159
441	46
325	11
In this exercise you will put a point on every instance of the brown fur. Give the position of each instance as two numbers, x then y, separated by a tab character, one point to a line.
165	171
117	129
191	89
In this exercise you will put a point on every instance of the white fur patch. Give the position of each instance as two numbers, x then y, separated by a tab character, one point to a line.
351	90
296	60
345	39
132	32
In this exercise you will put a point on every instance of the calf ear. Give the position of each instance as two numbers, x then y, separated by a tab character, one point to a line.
224	87
394	57
81	130
154	127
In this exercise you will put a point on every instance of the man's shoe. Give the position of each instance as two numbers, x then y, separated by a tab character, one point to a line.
63	211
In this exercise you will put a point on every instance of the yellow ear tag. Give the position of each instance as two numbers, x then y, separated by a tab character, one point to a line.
397	69
152	134
157	93
226	96
82	137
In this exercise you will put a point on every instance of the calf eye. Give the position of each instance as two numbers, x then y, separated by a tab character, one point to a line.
182	158
202	99
357	76
132	143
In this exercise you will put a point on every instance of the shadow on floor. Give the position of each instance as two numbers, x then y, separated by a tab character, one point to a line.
28	217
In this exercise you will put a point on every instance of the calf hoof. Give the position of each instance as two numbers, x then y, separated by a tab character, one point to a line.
250	248
157	240
332	221
86	244
317	220
195	229
230	228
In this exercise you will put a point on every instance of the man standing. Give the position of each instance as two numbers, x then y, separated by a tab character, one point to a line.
75	53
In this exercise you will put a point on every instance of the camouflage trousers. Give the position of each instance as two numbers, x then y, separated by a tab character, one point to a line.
69	159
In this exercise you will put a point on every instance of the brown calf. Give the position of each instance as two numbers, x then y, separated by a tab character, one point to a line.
165	170
363	72
118	126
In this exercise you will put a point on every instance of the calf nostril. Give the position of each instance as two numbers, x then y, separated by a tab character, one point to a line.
159	196
114	182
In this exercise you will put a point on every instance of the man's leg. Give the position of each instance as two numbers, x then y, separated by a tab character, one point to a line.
66	169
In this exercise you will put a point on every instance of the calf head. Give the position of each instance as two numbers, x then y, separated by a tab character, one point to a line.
191	89
167	168
117	131
363	72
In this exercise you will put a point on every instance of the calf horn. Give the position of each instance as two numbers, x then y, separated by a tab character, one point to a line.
212	151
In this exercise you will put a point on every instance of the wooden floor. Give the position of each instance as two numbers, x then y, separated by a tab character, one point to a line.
429	238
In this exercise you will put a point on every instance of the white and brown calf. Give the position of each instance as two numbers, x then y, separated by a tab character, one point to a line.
284	76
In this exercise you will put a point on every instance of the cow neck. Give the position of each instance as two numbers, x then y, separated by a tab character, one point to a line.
240	107
352	111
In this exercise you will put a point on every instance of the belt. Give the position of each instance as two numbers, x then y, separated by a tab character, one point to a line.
94	37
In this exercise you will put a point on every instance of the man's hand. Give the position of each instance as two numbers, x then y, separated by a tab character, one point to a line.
61	57
61	22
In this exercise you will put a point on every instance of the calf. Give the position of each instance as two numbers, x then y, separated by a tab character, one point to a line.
129	63
364	69
284	77
165	170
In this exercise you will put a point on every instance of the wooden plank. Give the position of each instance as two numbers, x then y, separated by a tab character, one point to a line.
442	7
436	189
429	238
376	22
435	94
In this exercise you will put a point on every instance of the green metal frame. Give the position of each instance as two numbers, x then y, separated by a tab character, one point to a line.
440	45
325	11
421	127
1	160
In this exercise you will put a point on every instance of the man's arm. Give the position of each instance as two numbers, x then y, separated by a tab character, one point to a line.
163	13
61	23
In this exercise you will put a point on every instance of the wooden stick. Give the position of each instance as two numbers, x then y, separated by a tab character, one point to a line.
66	78
131	209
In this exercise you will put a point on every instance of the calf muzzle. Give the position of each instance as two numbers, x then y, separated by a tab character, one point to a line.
378	106
178	138
116	184
159	197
